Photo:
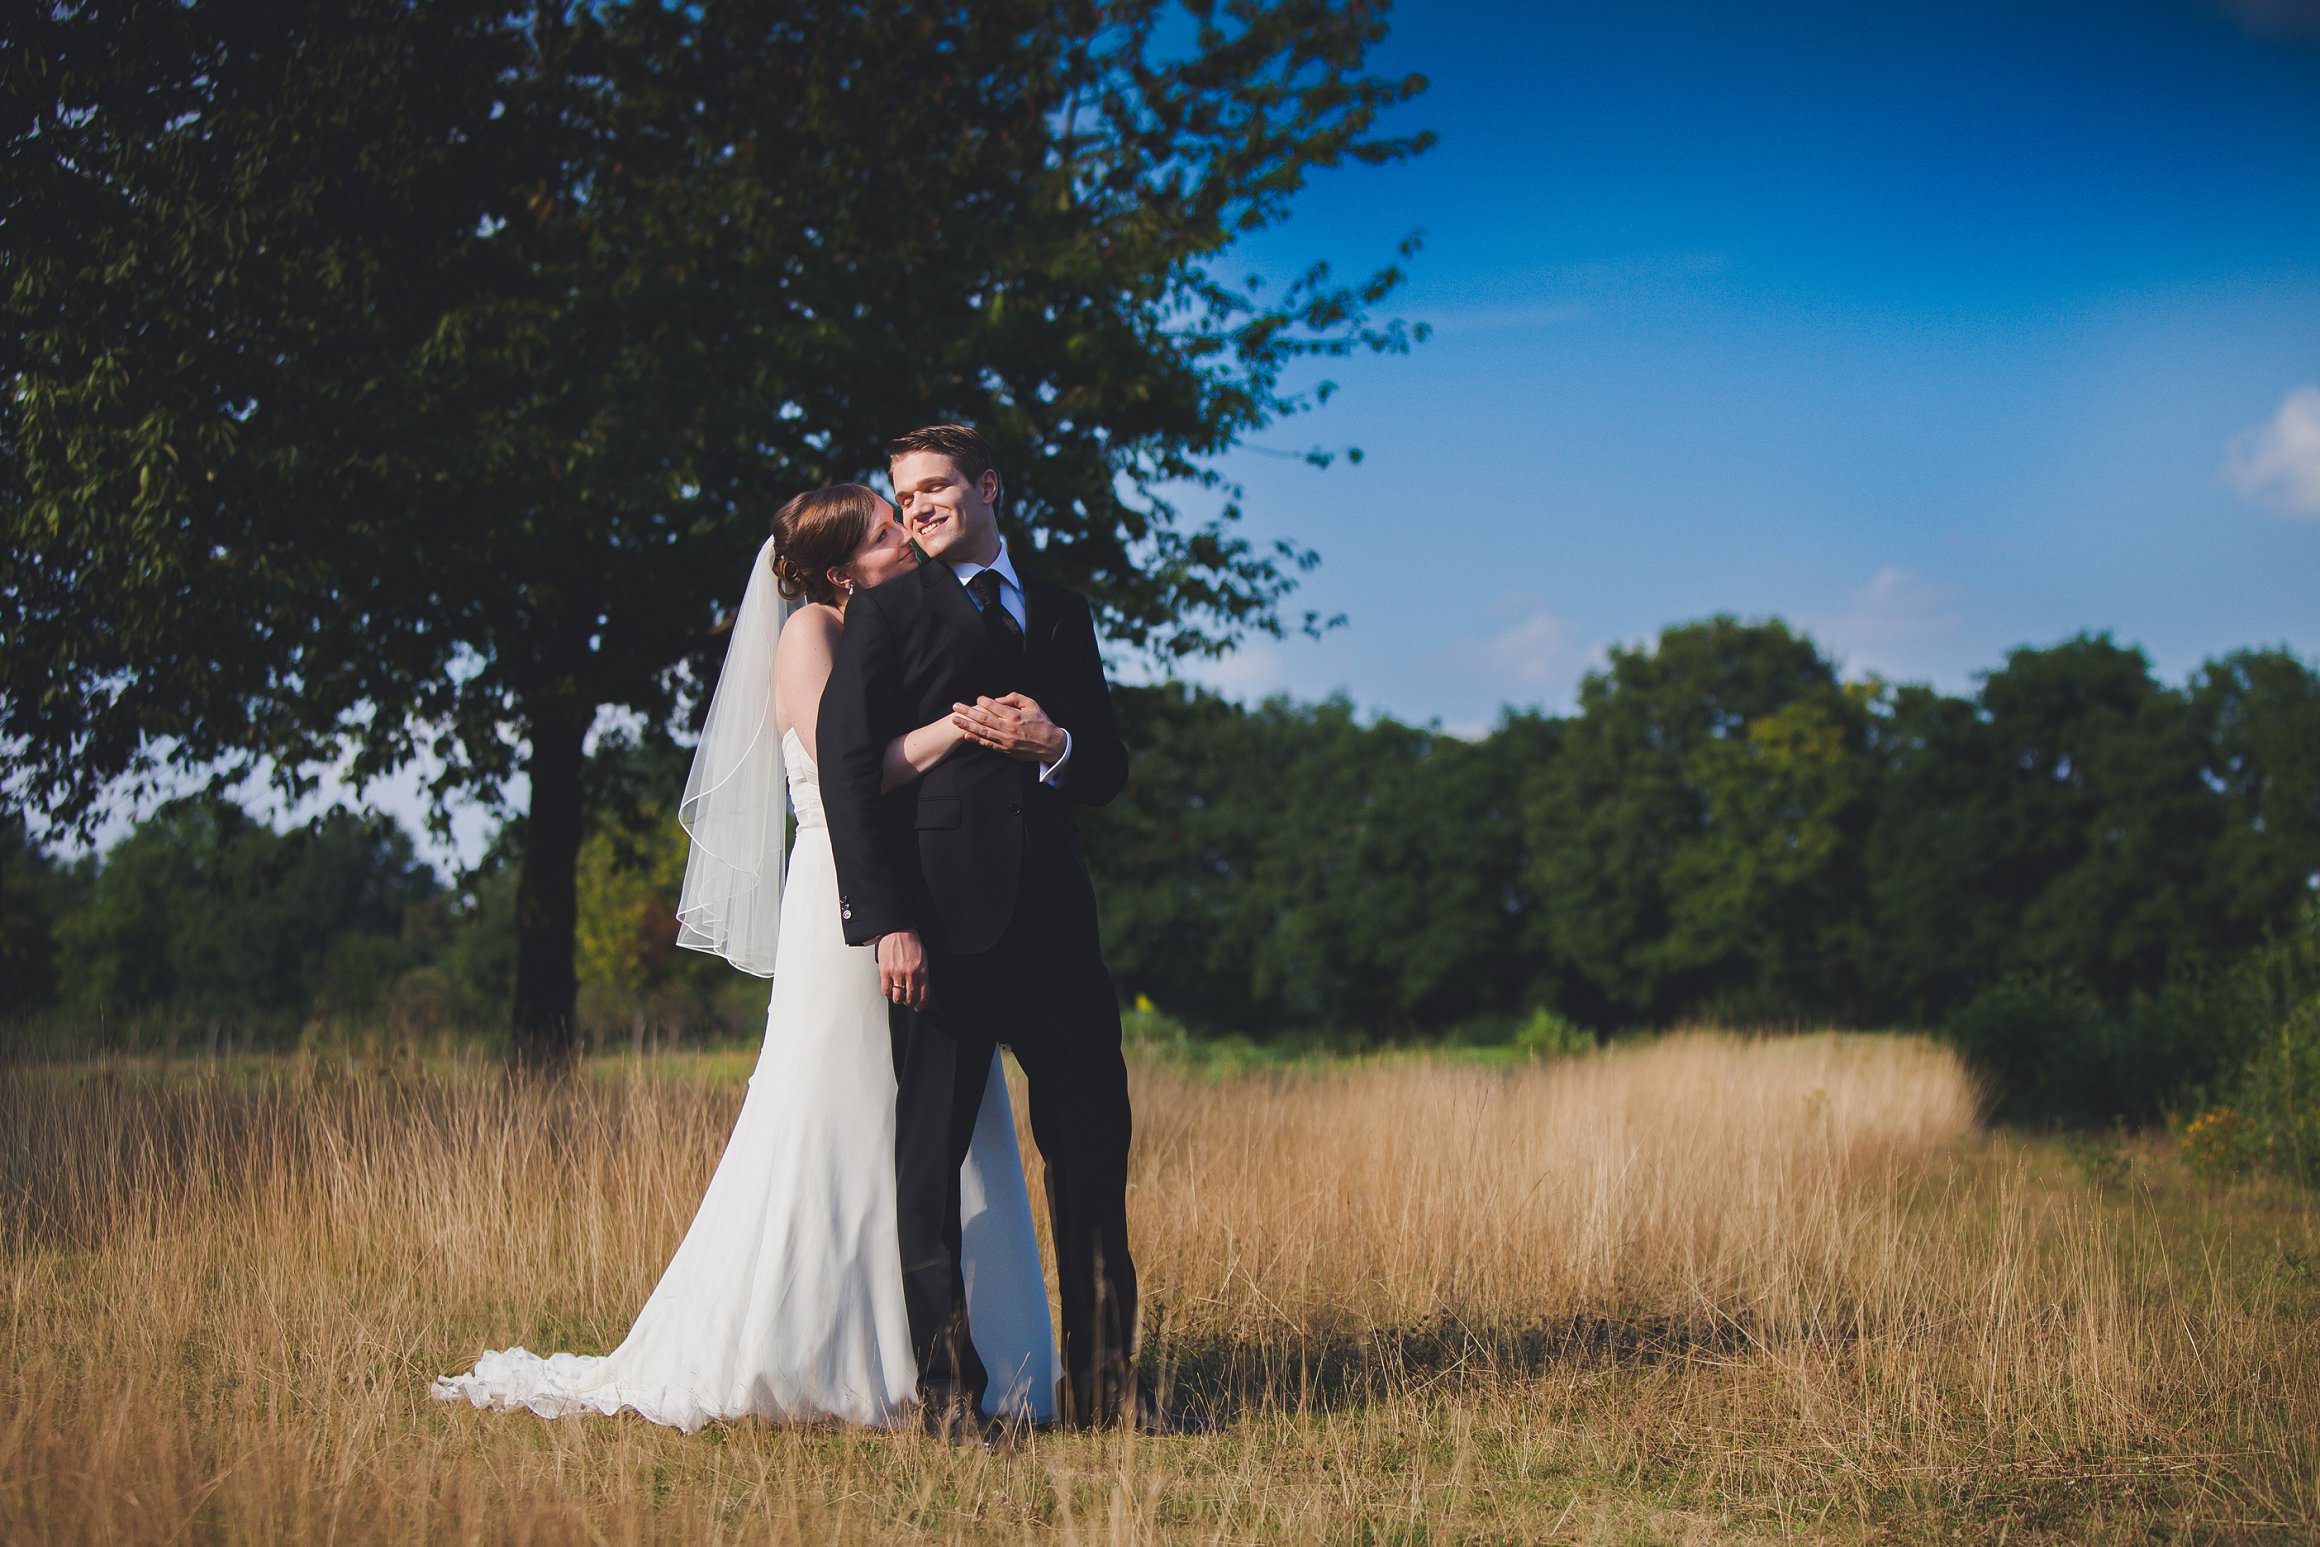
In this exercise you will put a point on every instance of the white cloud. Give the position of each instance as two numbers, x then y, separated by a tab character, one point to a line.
1256	669
1536	658
1252	671
1534	653
2277	463
1884	622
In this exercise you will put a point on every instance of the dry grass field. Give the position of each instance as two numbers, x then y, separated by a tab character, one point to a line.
1702	1289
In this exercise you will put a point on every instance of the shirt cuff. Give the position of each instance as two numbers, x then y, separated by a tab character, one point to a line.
1052	773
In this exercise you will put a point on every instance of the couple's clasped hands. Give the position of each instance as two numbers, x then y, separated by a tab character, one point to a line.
1015	726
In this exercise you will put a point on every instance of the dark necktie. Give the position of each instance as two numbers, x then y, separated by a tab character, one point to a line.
984	588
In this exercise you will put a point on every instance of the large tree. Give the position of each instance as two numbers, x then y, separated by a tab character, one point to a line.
2258	713
1698	801
2082	820
393	378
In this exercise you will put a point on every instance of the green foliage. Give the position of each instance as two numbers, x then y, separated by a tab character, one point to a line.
204	910
35	892
419	377
1153	1032
1943	922
1548	1035
2274	1091
1765	902
2279	1091
2053	1051
465	942
1686	841
1289	866
2063	824
2101	1158
2044	1044
2220	1144
635	982
2257	715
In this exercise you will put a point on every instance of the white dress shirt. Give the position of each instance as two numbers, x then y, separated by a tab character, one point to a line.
1011	598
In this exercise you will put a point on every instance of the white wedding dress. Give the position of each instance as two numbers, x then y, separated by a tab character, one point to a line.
785	1298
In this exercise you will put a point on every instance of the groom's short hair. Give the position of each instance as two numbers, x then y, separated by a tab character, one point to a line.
967	449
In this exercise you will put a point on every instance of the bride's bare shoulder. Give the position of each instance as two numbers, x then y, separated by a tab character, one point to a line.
811	626
809	645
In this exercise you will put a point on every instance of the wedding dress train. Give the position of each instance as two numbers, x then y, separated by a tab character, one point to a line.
785	1298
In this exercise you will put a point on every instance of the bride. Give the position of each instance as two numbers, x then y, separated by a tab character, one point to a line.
784	1299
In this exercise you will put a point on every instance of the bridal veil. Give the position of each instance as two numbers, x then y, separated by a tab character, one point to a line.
736	804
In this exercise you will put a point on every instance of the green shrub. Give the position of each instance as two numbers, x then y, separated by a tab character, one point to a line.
2102	1159
2054	1053
2279	1096
2220	1143
2272	1087
1154	1032
1548	1035
2046	1048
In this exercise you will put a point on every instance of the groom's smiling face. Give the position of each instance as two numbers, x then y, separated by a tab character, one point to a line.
948	514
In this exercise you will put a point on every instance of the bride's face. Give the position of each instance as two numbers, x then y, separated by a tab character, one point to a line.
885	553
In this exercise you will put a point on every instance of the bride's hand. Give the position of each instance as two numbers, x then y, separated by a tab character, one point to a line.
1014	725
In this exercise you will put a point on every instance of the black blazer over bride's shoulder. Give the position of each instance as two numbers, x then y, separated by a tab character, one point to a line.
947	854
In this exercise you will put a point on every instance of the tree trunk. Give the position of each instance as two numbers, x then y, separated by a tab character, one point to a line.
547	898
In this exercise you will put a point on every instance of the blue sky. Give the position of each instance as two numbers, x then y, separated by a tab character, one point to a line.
1935	330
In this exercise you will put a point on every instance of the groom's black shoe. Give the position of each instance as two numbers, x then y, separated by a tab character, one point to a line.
1141	1413
1151	1418
963	1427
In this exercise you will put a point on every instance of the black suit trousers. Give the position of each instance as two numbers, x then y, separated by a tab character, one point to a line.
1043	992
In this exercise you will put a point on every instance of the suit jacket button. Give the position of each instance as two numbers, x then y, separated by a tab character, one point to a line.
846	913
1015	810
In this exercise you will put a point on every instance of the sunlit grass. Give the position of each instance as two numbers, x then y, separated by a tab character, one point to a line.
1703	1289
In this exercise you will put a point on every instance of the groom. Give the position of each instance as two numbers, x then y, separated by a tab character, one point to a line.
969	882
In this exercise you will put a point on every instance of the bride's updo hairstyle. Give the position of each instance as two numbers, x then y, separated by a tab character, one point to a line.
821	530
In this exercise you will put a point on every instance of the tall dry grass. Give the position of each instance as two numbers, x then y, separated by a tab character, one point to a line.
1699	1289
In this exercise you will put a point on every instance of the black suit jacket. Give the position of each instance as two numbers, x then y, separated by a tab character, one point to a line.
946	855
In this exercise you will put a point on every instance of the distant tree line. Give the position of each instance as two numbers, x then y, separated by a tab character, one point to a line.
2070	868
1724	829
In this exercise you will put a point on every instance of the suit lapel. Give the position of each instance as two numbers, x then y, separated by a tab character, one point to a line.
962	617
1039	618
958	608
